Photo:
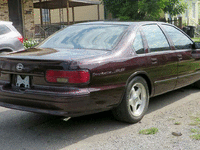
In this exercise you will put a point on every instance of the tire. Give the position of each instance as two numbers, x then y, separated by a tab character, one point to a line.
197	84
134	103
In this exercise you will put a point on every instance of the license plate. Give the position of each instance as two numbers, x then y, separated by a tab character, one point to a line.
23	81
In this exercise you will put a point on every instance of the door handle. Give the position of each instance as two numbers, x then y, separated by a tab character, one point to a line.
154	60
180	57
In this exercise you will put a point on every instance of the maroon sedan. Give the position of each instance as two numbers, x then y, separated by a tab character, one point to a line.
98	66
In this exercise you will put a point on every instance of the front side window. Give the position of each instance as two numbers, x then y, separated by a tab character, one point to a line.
4	29
180	40
155	38
138	44
86	37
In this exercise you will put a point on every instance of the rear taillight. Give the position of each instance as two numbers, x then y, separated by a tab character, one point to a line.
20	38
55	76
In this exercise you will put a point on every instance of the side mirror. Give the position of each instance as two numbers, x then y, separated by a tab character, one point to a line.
196	45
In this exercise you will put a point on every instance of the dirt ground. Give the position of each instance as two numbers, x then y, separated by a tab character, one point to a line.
29	131
165	111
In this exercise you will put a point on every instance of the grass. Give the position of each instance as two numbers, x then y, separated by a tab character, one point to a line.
177	123
196	121
196	132
196	39
196	136
149	131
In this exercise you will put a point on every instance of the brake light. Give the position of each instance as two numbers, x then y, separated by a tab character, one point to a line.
57	76
20	38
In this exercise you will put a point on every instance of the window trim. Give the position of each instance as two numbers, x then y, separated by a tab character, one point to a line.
149	50
170	39
143	43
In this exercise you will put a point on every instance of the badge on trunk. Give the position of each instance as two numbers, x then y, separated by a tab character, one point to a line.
24	83
19	67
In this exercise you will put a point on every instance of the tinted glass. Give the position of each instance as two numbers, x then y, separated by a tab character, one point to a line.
4	29
137	44
155	38
86	37
179	39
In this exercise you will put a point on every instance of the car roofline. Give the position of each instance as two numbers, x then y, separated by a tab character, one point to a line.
129	23
6	22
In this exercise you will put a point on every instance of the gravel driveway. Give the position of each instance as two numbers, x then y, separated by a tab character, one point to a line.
180	106
29	131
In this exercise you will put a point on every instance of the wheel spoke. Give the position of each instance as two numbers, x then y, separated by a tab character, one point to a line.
133	92
139	102
138	92
131	103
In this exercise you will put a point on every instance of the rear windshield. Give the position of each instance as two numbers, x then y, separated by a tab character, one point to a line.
4	29
86	37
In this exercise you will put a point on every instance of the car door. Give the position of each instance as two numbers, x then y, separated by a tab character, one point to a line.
188	64
162	61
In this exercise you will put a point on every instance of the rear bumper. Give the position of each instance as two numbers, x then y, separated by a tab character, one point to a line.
70	102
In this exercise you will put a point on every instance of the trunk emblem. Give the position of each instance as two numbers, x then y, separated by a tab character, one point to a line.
19	67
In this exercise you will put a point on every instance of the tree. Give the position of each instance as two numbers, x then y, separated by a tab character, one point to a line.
174	7
143	9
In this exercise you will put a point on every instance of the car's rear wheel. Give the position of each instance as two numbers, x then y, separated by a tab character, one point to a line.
135	102
197	84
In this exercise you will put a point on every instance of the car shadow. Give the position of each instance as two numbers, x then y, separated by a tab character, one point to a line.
169	98
24	130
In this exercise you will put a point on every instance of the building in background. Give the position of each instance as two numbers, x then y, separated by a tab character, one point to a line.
55	15
192	13
31	16
20	12
191	16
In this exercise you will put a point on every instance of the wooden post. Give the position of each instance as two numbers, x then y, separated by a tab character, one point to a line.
60	16
175	21
73	15
168	20
41	21
67	12
50	16
180	22
98	12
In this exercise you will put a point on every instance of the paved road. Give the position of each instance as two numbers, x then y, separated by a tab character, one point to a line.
28	131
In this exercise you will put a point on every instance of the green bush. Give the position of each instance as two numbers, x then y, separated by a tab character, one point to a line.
29	43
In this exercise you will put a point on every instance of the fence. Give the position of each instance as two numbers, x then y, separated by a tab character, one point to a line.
177	21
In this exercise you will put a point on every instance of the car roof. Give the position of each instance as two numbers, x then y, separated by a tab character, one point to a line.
120	22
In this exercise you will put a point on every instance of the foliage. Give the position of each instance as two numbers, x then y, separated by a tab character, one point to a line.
195	131
174	7
149	131
30	43
177	123
196	136
143	9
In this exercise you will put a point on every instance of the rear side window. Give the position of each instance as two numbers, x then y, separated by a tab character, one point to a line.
155	38
4	29
138	44
180	40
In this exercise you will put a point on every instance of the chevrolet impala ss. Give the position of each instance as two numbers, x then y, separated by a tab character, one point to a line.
97	66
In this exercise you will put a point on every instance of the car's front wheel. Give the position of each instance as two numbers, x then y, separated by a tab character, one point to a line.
135	101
